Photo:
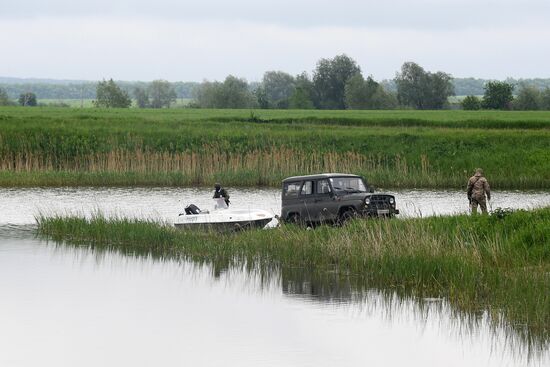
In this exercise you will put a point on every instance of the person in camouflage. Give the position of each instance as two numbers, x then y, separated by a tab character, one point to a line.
478	188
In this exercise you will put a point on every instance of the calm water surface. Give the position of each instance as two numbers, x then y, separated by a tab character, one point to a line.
73	306
20	206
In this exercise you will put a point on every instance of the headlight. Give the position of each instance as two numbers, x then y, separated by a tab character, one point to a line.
392	200
367	201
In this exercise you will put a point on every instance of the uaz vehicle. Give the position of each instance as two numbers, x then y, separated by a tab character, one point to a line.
332	198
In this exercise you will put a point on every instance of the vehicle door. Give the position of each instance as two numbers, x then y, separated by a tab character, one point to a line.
324	201
307	200
291	200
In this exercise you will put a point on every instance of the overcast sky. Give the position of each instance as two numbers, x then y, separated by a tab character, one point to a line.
196	40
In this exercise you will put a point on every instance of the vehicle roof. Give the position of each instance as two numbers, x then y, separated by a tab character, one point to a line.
318	176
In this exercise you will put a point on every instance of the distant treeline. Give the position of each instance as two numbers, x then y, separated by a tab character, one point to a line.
61	89
334	84
52	89
476	87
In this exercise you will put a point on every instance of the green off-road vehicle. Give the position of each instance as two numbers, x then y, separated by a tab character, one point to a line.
332	198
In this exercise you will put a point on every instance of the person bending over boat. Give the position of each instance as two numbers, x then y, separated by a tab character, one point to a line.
220	192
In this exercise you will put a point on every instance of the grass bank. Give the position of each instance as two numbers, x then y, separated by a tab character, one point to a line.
401	149
494	264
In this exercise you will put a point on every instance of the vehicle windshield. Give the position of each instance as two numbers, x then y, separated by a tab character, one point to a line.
348	184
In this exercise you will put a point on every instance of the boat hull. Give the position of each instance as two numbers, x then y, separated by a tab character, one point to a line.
233	226
225	220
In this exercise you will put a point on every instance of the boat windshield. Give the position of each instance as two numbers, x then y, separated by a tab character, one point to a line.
348	184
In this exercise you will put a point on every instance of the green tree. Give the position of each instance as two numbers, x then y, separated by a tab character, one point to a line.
27	99
232	93
261	97
206	94
142	97
411	83
109	95
302	97
4	98
278	86
529	98
360	93
356	93
423	90
161	94
329	80
471	103
440	88
236	94
498	96
545	99
383	99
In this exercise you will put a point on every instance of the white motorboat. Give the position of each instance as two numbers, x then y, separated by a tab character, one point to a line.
223	218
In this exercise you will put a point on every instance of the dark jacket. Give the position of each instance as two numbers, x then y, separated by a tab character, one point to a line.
222	193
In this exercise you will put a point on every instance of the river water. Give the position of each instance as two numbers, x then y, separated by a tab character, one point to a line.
20	206
73	306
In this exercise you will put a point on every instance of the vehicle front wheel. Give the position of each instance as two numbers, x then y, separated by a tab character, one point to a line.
346	216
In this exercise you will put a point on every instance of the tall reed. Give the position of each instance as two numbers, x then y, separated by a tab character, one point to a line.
258	167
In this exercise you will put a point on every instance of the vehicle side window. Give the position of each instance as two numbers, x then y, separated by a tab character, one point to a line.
307	188
291	189
323	187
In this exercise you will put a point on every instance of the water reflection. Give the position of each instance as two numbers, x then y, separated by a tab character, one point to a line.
362	297
391	303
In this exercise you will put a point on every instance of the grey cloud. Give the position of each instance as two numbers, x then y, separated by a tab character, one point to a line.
397	14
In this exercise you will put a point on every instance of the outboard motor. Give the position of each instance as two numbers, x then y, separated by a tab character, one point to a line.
192	210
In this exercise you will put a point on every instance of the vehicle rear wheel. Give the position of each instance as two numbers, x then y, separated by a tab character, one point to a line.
294	219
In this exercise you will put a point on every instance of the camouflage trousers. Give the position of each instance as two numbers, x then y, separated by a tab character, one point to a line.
478	201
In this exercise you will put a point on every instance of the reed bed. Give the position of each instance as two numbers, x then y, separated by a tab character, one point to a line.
256	168
240	148
497	265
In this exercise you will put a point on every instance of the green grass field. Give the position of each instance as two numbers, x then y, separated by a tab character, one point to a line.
497	264
72	102
413	149
89	102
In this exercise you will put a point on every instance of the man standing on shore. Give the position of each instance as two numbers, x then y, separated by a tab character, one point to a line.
478	188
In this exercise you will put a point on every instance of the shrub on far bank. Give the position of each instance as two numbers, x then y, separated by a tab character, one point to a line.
471	103
109	94
27	99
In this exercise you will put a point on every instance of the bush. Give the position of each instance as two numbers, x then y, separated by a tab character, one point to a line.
472	103
27	99
109	94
